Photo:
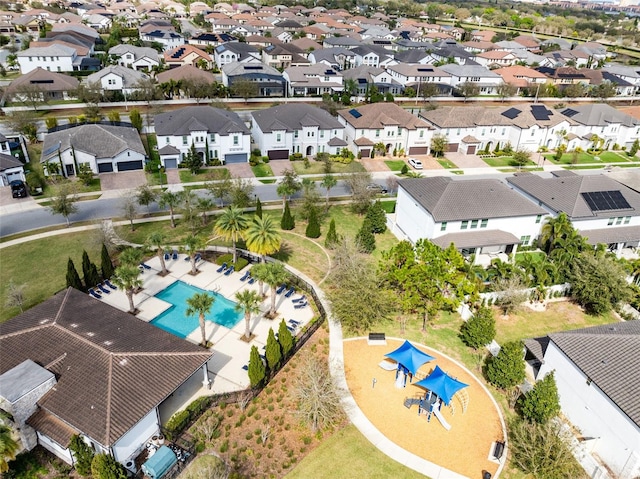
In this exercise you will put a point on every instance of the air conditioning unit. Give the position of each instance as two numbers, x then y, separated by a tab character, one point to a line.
131	466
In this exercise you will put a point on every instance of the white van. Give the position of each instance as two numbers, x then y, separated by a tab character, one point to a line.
417	164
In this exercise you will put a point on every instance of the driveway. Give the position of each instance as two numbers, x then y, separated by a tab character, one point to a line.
374	164
466	161
124	180
240	170
278	166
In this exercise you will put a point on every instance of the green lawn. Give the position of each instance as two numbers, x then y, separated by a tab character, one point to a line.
395	165
21	264
317	167
614	157
262	170
504	161
150	142
348	454
448	164
567	158
205	174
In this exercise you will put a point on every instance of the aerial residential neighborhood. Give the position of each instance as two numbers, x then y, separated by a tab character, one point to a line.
231	232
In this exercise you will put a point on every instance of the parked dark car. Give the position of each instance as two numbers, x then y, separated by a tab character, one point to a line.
377	188
18	189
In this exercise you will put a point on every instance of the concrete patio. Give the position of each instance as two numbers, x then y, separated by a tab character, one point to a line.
231	353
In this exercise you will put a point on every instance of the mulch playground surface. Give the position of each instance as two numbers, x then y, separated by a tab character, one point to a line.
463	449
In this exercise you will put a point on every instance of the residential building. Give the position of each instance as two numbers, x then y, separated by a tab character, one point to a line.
474	128
610	125
627	73
97	372
55	58
211	39
136	58
267	80
366	77
104	148
117	78
417	76
235	52
603	210
594	370
187	55
10	169
496	58
282	130
167	39
283	56
486	80
337	58
312	80
521	77
372	56
385	123
482	216
215	133
50	85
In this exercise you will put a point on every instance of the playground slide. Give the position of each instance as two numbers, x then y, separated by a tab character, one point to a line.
442	420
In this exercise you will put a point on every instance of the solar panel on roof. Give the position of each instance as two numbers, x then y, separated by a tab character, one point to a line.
539	112
50	150
511	113
605	200
569	112
355	113
253	67
425	69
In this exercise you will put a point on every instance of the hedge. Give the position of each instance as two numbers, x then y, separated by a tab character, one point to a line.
228	258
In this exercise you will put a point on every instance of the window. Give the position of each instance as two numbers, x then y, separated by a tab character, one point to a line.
538	219
295	134
533	132
619	220
627	219
399	131
443	226
421	133
611	220
236	140
168	141
212	137
321	133
482	132
524	240
464	225
504	131
278	137
128	153
474	224
484	223
185	140
377	133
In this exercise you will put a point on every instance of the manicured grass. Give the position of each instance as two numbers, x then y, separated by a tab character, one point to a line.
502	161
567	158
150	142
317	167
448	164
156	178
262	170
395	165
613	157
24	264
389	206
348	454
205	174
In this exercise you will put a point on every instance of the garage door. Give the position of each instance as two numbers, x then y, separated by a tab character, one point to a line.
171	163
471	150
235	158
130	165
452	147
418	150
105	167
365	153
278	154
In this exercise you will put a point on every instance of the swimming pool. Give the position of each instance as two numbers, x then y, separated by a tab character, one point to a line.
175	321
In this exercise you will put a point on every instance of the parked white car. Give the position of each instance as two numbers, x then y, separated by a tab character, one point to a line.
417	164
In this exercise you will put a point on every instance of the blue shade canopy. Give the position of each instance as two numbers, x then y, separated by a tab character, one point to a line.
443	385
158	464
410	357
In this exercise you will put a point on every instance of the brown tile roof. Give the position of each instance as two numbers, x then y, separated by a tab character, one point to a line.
476	239
608	356
379	115
112	368
449	200
52	427
363	141
46	80
185	72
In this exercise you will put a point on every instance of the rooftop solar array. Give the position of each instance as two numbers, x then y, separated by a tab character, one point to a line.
605	200
511	113
540	112
569	112
355	113
51	149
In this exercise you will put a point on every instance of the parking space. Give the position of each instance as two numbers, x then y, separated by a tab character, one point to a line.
122	180
240	170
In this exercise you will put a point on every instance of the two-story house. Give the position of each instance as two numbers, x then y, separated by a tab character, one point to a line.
235	52
117	78
215	133
55	58
486	80
136	58
282	130
312	80
267	80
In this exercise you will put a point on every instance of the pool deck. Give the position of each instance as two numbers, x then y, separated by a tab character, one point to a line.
230	352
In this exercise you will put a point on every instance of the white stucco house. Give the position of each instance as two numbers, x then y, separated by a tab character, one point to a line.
482	216
282	130
105	148
596	370
600	208
312	80
385	123
117	78
97	372
485	79
55	58
215	133
136	58
10	169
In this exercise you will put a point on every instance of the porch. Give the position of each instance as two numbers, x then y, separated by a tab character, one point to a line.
485	245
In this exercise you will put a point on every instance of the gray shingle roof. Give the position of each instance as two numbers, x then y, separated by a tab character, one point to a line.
130	77
608	356
101	141
197	118
476	239
599	114
563	193
620	234
448	200
45	80
111	368
469	71
251	68
293	117
138	52
379	115
8	162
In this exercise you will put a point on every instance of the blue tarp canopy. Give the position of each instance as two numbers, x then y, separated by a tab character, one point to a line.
158	464
410	357
441	384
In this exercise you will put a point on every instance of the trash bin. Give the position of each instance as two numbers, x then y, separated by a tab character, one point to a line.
486	475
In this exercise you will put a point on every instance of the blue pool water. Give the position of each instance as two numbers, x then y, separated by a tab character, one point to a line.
175	320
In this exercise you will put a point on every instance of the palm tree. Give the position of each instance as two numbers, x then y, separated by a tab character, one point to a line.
248	301
231	225
262	237
8	447
259	272
170	200
127	277
200	304
130	257
274	275
554	228
328	182
191	246
204	205
157	239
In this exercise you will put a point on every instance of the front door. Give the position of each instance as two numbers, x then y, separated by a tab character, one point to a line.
70	170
